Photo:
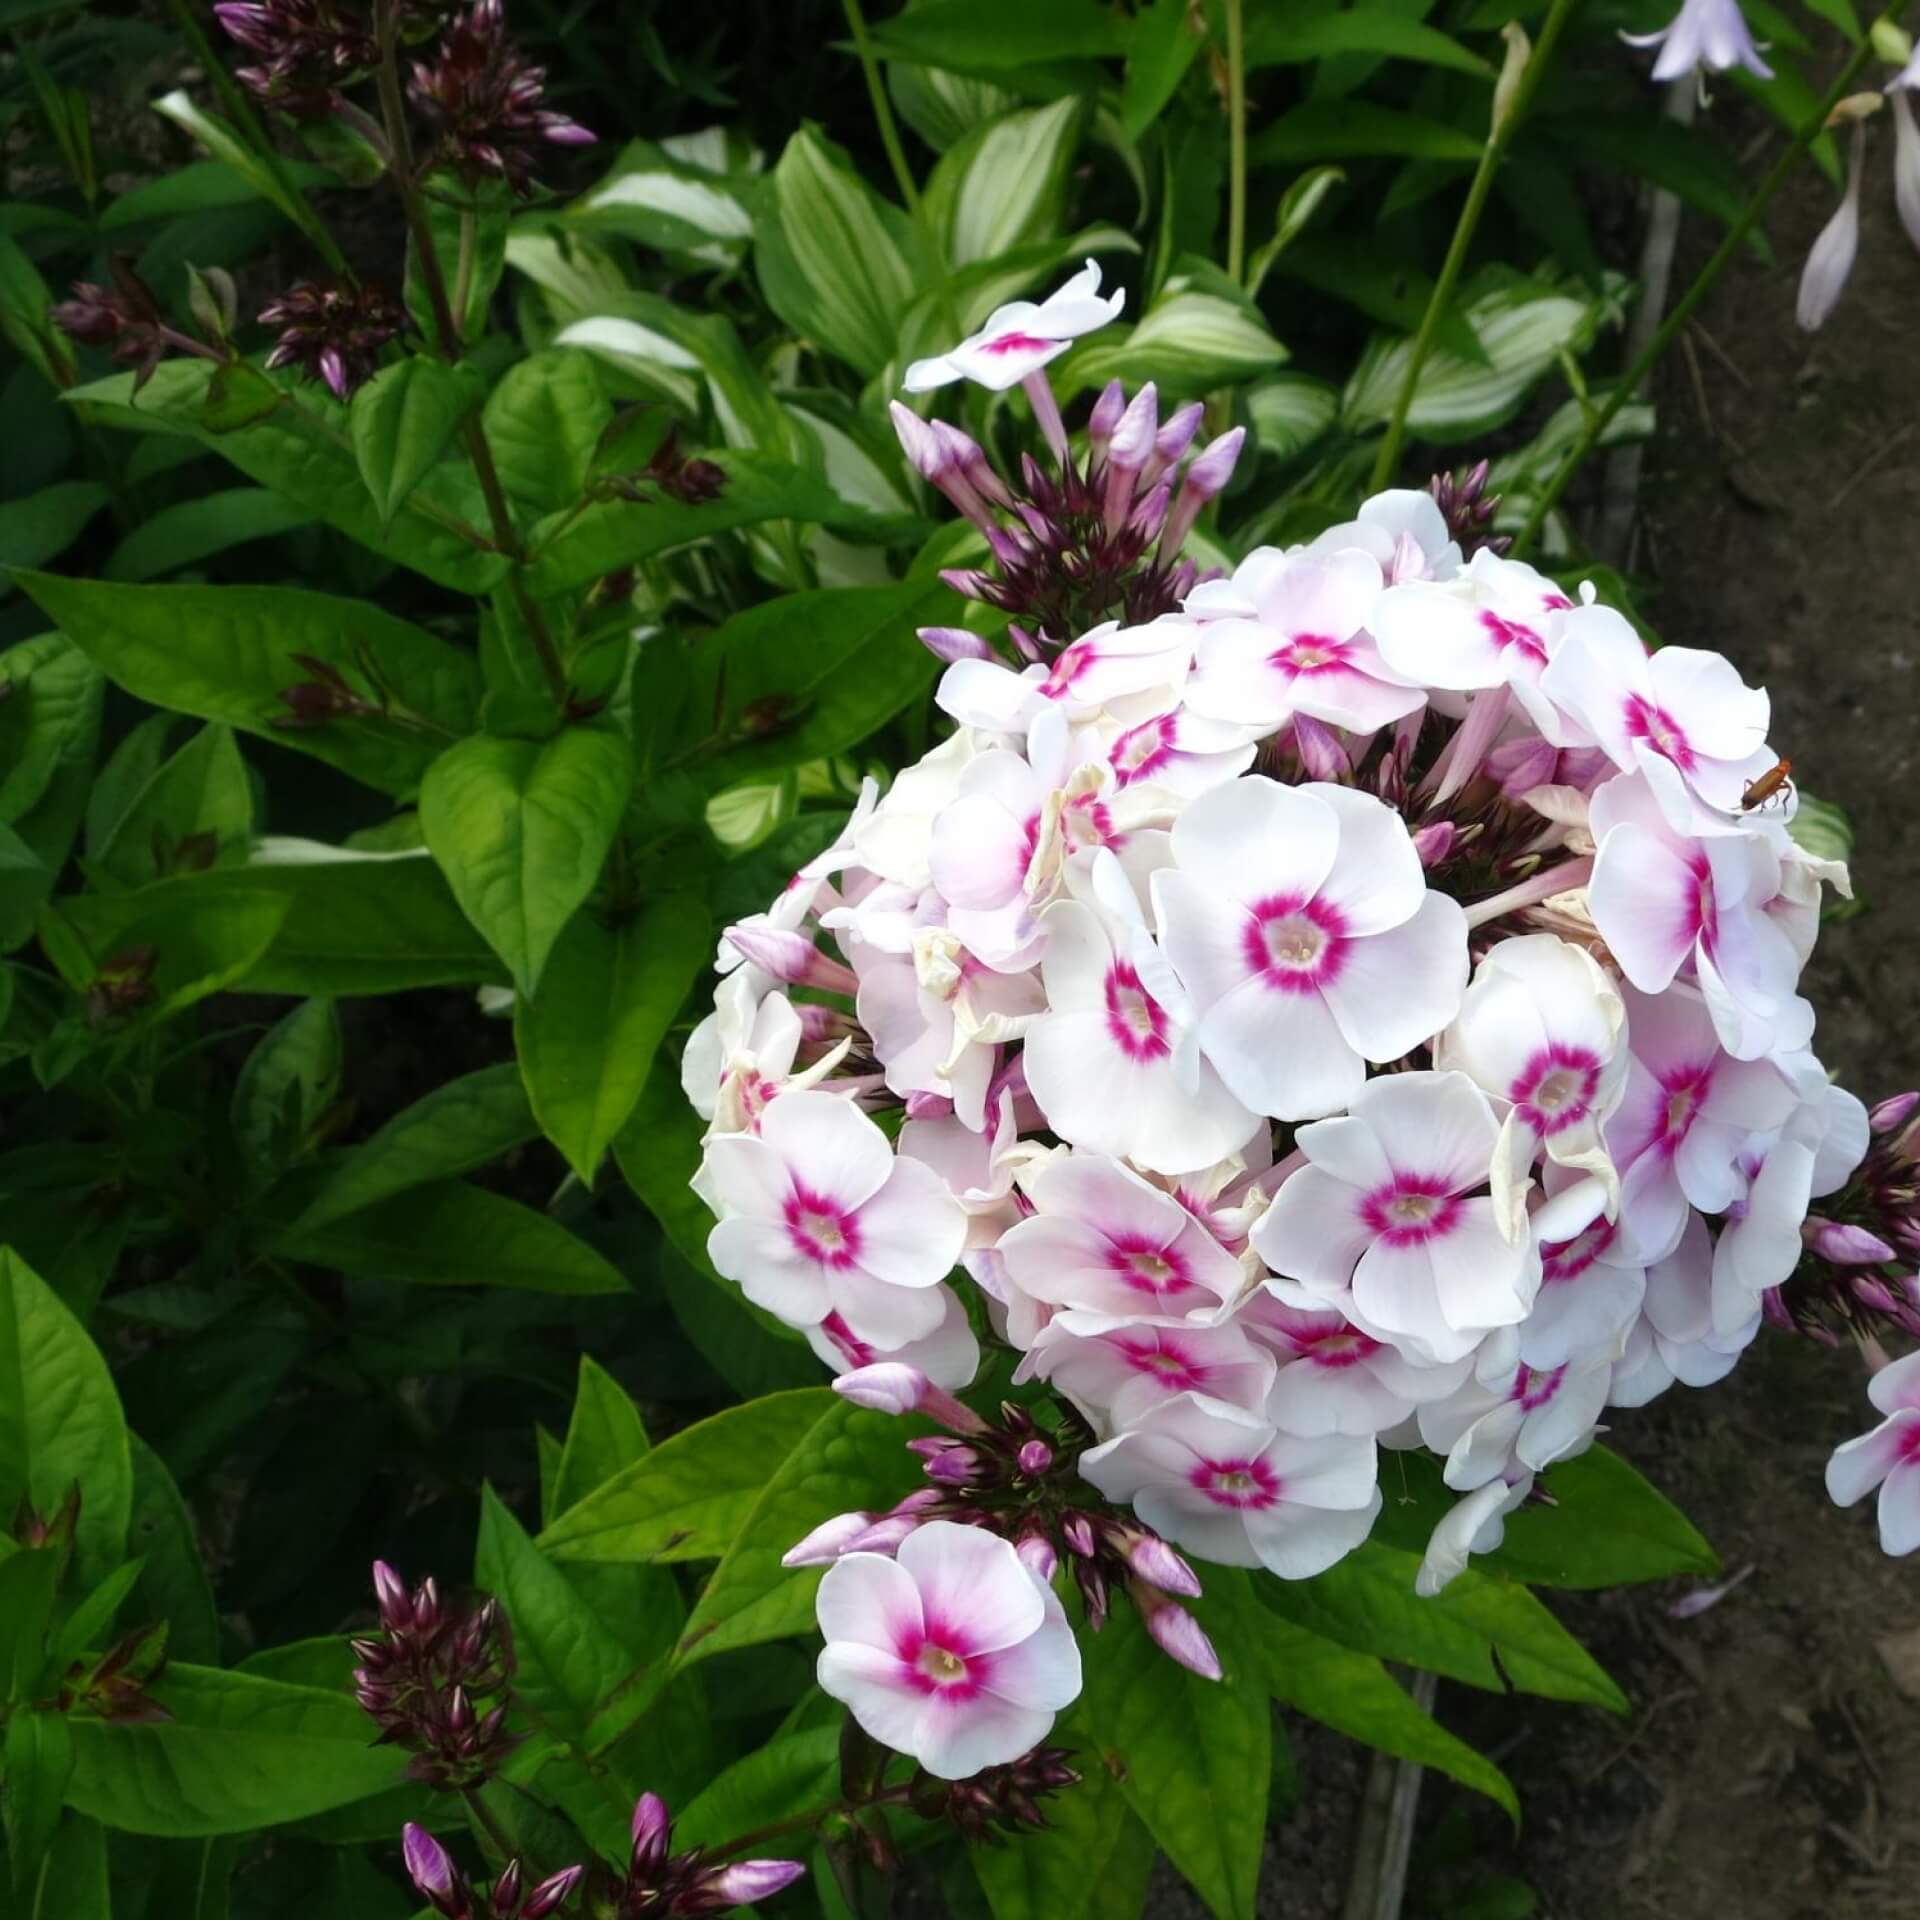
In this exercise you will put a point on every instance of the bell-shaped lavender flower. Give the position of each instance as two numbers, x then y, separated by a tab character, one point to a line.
333	331
660	1883
1705	36
448	1891
1830	259
481	100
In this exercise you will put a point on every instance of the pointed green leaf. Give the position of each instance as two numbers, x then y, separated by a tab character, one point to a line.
185	534
1005	184
543	422
401	422
202	796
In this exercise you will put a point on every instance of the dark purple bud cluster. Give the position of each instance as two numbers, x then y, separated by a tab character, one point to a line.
309	50
1022	1482
481	101
434	1679
681	476
660	1882
1857	1278
122	987
997	1800
1090	542
1469	508
325	695
448	1891
333	331
127	319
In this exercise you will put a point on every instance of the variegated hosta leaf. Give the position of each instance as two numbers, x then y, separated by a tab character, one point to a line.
742	817
637	350
716	149
1005	183
1822	828
1201	333
575	275
1520	476
1522	325
941	107
870	475
669	205
1290	412
837	263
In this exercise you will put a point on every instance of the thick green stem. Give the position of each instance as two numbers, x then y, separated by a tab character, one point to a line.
1599	419
1508	115
882	107
1236	141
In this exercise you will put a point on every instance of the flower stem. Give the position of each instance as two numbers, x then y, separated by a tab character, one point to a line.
882	107
1508	116
1599	419
1236	141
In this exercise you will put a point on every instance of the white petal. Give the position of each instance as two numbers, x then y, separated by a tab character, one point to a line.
869	1599
972	1586
1396	990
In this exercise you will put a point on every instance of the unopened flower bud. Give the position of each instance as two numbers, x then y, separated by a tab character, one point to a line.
888	1386
1319	748
1175	1631
791	957
650	1829
954	643
1150	1559
1874	1293
1037	1555
917	441
1847	1246
1175	437
885	1535
1434	842
1035	1458
1132	444
826	1543
1077	1531
1106	415
428	1865
552	1893
506	1890
928	1106
1893	1113
1512	71
746	1881
391	1592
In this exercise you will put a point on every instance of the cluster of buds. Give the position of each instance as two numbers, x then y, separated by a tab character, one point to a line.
325	695
660	1882
126	318
1022	1482
334	331
122	987
429	1679
1857	1277
1468	509
309	50
1093	542
481	100
685	477
448	1891
996	1800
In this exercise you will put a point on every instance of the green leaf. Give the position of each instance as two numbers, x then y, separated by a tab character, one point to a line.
1290	412
45	524
521	828
240	1752
1687	161
1193	1756
1164	42
1201	332
202	795
1002	33
668	203
401	422
1290	219
567	1663
836	261
468	230
25	309
223	143
227	653
287	1085
1353	129
85	1630
60	1420
39	1761
1353	269
1482	1630
191	531
850	1458
1287	39
28	1580
605	1434
457	1127
173	1579
543	422
198	187
587	1038
449	1234
688	1498
1005	184
73	1883
49	728
774	1782
1355	1694
1089	1862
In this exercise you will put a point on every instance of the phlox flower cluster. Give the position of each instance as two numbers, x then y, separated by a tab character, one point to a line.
1355	1008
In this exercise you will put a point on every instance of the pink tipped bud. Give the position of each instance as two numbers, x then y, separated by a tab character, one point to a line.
885	1387
1132	444
1874	1293
825	1544
1106	414
1175	1631
1037	1555
1025	645
1213	466
746	1881
791	957
1035	1458
391	1592
885	1535
1521	765
552	1893
506	1890
1077	1531
1893	1114
1848	1246
968	582
1150	514
651	1829
1319	748
1773	1310
928	1106
918	442
954	643
1177	435
823	1026
1433	843
428	1866
1150	1559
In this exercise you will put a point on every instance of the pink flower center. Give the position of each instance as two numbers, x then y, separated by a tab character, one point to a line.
1660	730
1703	911
1245	1485
1685	1088
1176	1371
821	1230
1569	1259
1138	1027
1533	1388
1908	1446
1556	603
1338	1351
1410	1211
1087	822
1309	653
1016	343
1556	1087
1144	749
935	1664
1073	663
1144	1266
1510	633
1295	945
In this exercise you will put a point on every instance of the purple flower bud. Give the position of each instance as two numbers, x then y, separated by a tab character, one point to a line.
651	1830
950	1462
968	582
1874	1293
1434	842
552	1893
887	1386
1132	444
928	1106
459	1710
1175	1631
391	1592
885	1535
791	957
746	1881
823	1026
1773	1310
1894	1113
1025	645
506	1891
1152	1560
1037	1555
828	1541
954	643
428	1866
1150	514
1213	467
1319	748
1848	1246
1106	415
1521	765
1035	1458
918	442
1077	1531
1177	435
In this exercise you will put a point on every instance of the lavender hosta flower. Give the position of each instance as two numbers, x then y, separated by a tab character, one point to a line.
1705	36
333	331
448	1891
1830	259
1887	1458
433	1679
481	101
